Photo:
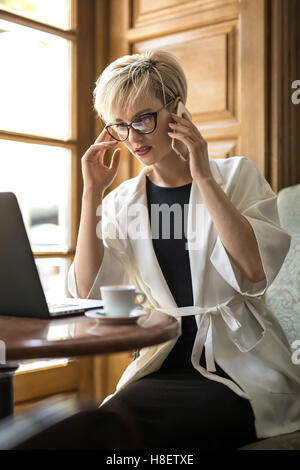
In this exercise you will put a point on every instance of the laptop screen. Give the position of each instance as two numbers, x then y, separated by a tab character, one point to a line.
21	292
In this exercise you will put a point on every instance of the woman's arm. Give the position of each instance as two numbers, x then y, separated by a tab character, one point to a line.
233	228
89	249
96	178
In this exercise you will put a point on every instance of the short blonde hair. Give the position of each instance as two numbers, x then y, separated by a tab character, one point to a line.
128	78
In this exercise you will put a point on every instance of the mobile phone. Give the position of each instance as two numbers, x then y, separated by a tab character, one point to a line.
178	146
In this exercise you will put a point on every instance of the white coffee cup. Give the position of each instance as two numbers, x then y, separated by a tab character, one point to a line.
120	300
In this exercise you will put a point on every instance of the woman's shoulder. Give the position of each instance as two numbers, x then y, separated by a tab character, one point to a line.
241	175
234	163
230	168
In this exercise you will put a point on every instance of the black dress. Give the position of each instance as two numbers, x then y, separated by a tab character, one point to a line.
176	407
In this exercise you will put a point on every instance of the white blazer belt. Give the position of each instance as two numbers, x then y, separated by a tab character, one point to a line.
204	333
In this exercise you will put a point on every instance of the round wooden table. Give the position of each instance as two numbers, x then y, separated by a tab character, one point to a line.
31	338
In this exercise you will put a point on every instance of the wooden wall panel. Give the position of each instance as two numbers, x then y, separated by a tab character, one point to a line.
203	56
222	148
284	114
262	61
159	17
254	68
242	53
144	7
209	57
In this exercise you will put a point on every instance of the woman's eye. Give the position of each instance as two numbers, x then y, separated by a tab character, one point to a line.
121	127
143	120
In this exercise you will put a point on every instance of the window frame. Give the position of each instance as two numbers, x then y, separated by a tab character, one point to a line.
82	117
78	373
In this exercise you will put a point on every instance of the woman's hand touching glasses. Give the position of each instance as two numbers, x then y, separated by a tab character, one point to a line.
96	175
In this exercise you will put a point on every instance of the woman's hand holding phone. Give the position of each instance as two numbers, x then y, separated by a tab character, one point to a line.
185	132
96	175
178	146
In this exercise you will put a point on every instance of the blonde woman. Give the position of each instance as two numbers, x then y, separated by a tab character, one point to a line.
228	379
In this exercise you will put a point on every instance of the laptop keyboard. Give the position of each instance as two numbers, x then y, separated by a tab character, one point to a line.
53	306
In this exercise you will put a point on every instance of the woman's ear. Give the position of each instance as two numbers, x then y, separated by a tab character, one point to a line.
175	104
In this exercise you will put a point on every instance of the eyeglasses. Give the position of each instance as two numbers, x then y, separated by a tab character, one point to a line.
144	124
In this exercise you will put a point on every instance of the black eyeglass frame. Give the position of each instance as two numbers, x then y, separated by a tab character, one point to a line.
154	114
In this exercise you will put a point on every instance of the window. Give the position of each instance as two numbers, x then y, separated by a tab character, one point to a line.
46	124
38	127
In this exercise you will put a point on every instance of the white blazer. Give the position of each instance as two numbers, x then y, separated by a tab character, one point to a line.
234	325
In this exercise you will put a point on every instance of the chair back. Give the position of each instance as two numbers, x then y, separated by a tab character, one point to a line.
283	296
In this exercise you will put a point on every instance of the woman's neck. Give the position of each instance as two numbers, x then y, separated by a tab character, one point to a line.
171	176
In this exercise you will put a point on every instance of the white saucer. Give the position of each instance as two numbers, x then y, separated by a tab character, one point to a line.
107	319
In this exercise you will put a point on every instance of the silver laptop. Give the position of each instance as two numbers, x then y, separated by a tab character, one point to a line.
21	291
